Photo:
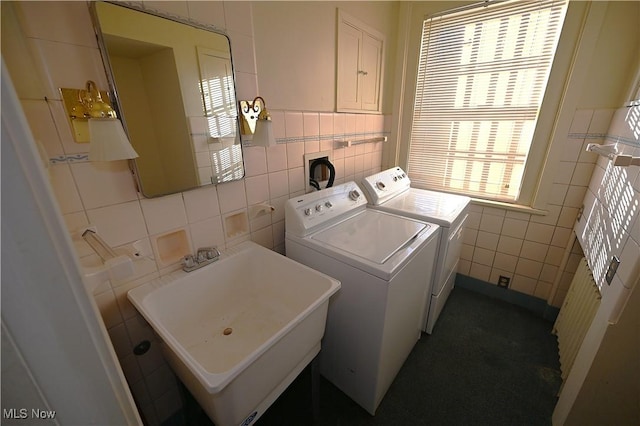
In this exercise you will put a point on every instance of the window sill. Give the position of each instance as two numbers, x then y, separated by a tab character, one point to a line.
508	206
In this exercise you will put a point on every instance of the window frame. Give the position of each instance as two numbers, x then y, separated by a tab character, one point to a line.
556	112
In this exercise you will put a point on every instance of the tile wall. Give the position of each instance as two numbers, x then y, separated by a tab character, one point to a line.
104	194
529	248
610	225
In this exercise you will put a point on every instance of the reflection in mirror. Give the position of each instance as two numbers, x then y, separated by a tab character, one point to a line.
173	87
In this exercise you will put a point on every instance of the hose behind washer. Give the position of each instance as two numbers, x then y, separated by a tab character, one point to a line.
332	173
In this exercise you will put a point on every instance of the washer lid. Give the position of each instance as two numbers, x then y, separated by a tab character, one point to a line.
372	235
434	206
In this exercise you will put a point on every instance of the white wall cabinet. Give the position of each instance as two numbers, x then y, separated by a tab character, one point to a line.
360	66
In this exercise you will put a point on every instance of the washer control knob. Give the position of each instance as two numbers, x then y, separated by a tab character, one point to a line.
395	178
328	204
381	186
319	207
308	212
354	194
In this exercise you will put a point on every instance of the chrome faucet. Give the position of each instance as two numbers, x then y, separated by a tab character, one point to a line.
203	256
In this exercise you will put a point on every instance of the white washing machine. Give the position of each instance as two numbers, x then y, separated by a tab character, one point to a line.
390	191
382	261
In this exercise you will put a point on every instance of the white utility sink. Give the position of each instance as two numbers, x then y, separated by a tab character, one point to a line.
238	331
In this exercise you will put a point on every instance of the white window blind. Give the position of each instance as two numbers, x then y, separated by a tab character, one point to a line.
481	78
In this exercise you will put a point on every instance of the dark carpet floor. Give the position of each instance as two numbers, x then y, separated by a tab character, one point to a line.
487	363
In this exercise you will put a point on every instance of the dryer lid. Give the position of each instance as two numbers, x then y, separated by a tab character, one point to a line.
372	235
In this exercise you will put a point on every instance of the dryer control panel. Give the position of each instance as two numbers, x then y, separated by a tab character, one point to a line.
386	185
306	213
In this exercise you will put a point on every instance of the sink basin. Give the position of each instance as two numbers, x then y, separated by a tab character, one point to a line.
239	331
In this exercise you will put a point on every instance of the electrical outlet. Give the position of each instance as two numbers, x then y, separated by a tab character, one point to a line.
613	268
503	281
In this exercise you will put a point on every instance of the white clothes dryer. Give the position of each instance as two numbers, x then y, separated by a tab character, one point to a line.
382	261
390	191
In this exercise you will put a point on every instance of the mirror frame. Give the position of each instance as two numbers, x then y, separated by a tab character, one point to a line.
112	89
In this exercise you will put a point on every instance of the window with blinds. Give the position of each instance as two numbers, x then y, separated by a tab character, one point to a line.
482	74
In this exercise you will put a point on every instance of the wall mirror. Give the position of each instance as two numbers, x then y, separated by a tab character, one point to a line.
172	84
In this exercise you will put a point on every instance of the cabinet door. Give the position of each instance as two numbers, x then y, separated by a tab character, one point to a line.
369	72
348	81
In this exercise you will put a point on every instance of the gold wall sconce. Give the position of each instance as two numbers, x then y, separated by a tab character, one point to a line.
93	120
255	120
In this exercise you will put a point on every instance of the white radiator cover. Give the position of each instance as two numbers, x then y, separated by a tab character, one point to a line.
576	314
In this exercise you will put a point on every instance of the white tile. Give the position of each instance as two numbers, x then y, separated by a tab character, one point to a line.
43	127
548	273
247	86
255	160
564	172
567	217
558	192
473	221
464	267
509	245
491	223
160	381
63	127
539	233
575	196
264	237
207	233
54	58
311	124
582	174
279	184
523	284
551	218
506	262
164	213
242	49
528	268
64	189
480	272
350	124
543	290
339	124
514	228
326	124
175	8
360	123
201	203
311	146
571	150
277	118
358	162
293	124
238	17
483	256
518	215
279	232
534	251
277	157
119	224
581	121
487	240
232	196
257	188
278	203
601	120
207	12
65	22
296	179
295	154
561	236
349	166
466	252
104	183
